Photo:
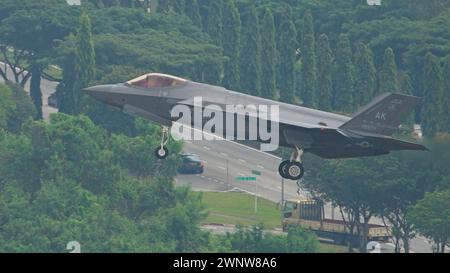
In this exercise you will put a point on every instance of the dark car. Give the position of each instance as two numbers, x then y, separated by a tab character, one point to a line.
191	163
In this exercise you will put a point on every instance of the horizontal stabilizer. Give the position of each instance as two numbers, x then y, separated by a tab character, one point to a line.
383	115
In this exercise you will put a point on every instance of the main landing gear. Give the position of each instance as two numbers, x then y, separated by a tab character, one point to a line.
293	168
162	152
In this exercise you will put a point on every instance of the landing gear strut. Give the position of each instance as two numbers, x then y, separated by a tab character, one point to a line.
162	152
293	168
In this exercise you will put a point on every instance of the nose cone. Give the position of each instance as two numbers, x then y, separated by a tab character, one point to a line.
99	92
98	89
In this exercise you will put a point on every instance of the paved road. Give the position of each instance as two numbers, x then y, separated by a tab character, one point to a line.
225	160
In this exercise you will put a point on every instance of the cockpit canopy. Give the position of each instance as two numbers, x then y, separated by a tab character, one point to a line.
156	80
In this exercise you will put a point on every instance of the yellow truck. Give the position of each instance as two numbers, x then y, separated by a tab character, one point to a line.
309	214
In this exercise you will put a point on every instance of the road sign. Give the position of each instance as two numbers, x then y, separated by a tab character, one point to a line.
246	178
256	172
251	178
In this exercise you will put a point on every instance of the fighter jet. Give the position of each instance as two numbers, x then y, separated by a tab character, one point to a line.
328	135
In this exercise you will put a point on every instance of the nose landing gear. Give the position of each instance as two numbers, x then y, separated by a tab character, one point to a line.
293	169
162	152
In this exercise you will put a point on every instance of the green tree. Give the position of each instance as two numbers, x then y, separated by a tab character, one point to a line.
446	96
384	186
63	211
432	95
268	56
250	59
165	5
23	108
84	60
365	75
281	15
427	10
111	3
97	3
324	73
231	44
76	185
193	12
133	155
287	54
431	217
179	6
65	89
255	240
130	3
6	105
344	76
400	189
351	185
406	87
309	69
182	220
28	32
301	241
214	27
35	89
388	73
298	77
77	59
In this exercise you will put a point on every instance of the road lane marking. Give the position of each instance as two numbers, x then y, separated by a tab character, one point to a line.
222	168
242	160
229	141
224	154
206	148
261	167
241	174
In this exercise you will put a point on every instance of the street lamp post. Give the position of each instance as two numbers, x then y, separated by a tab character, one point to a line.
228	180
256	197
256	173
282	200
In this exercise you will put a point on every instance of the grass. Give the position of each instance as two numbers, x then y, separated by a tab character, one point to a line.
238	208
